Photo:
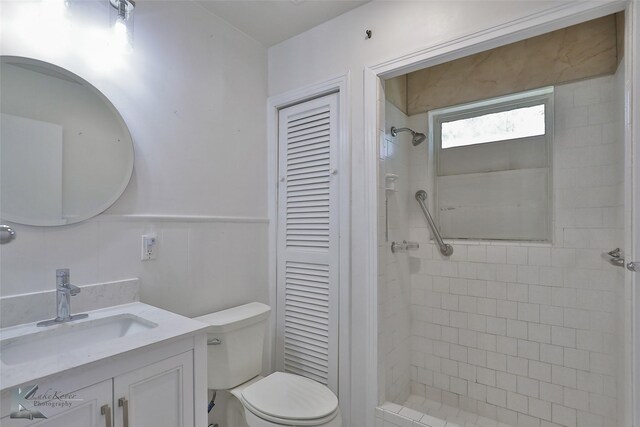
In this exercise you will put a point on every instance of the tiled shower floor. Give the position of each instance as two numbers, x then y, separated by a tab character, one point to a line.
420	412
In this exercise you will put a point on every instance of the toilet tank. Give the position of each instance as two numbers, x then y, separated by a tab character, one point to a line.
235	342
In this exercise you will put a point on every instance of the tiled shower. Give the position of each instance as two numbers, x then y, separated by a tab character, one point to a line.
508	333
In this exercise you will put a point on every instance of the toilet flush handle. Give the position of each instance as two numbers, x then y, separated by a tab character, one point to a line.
214	341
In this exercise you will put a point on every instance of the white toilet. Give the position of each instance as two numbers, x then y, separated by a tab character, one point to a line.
235	343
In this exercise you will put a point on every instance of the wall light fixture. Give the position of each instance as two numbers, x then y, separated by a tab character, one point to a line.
121	18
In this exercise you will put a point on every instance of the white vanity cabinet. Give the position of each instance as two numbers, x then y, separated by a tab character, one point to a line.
158	394
155	378
84	410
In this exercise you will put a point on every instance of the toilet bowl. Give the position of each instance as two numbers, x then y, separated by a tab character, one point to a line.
235	342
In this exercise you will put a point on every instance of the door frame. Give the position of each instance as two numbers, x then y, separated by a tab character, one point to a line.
632	198
340	85
631	369
555	18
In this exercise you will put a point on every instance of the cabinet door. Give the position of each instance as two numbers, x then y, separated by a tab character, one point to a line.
82	408
160	394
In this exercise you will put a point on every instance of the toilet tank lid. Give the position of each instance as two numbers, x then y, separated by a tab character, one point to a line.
235	317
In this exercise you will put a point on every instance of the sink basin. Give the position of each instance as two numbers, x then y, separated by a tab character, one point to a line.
67	337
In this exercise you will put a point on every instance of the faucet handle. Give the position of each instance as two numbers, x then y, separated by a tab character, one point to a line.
62	274
63	283
616	253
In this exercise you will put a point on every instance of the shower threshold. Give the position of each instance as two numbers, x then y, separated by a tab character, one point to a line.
420	412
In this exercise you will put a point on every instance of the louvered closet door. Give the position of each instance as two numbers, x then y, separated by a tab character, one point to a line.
308	258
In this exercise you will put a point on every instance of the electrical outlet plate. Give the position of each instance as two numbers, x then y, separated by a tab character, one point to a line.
149	247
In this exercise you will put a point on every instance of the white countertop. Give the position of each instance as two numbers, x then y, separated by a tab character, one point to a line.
169	326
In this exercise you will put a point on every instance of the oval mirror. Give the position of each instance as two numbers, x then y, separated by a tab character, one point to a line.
65	152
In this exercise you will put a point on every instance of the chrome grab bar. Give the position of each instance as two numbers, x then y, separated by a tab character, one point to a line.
445	249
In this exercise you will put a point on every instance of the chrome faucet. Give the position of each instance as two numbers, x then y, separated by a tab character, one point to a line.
64	292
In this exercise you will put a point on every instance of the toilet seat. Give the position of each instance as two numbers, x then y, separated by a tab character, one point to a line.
252	420
287	399
288	421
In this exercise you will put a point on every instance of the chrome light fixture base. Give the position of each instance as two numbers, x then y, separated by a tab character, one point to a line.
130	4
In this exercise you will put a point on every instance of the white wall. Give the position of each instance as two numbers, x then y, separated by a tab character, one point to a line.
338	47
193	93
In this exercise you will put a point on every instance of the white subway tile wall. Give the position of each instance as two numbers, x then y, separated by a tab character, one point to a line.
522	334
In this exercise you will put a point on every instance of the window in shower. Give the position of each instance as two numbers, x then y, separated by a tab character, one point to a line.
514	123
492	167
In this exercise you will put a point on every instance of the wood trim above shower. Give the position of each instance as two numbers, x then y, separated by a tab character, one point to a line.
582	51
396	92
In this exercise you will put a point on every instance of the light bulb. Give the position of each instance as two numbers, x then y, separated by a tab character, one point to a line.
120	29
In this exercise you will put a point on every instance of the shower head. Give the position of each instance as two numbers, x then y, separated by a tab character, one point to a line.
417	136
